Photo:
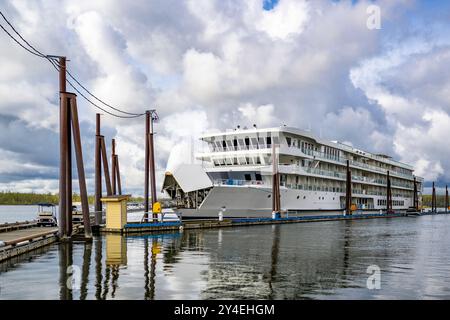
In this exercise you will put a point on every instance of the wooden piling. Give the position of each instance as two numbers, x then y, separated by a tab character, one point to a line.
119	183
446	198
388	194
105	166
80	167
113	166
98	172
348	190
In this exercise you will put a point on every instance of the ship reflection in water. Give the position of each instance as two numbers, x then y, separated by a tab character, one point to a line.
324	260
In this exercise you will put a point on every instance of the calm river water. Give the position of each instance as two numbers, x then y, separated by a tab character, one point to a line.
321	260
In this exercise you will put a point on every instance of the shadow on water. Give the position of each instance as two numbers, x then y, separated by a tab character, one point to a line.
295	261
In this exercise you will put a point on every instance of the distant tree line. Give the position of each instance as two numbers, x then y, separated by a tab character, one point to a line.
18	198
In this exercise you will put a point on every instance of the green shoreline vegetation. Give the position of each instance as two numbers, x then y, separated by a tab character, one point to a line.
17	198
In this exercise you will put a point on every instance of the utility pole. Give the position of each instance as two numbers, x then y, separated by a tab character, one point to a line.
68	121
63	148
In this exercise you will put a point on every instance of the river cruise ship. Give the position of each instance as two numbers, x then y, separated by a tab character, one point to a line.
234	176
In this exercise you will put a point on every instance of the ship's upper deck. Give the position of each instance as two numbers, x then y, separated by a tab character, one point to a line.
239	140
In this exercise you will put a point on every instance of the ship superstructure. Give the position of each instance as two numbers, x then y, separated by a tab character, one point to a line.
235	175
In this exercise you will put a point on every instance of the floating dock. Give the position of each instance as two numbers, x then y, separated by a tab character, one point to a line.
21	237
150	227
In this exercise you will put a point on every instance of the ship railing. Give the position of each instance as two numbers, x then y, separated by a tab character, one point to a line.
341	175
235	182
326	156
240	148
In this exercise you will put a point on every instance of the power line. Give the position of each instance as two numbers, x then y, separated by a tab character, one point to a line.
56	65
12	27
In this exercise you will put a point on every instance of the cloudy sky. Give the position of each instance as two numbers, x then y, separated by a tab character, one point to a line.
214	64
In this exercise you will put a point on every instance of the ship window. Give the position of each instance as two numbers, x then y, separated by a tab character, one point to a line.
228	161
248	177
241	144
254	142
230	145
261	143
242	160
298	197
269	141
247	142
289	141
235	161
258	177
218	146
258	160
249	160
235	143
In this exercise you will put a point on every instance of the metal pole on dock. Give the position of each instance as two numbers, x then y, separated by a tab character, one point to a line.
433	199
105	166
415	195
98	172
80	166
151	153
146	172
388	195
276	204
113	166
348	190
446	198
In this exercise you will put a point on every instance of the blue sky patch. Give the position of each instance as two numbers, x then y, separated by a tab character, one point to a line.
269	4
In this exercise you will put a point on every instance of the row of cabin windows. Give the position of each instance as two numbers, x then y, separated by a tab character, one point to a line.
300	144
396	203
244	143
234	161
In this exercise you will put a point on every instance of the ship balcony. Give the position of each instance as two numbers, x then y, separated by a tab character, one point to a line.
305	186
306	171
299	152
330	158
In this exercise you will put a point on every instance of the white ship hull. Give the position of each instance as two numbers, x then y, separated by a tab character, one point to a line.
248	201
